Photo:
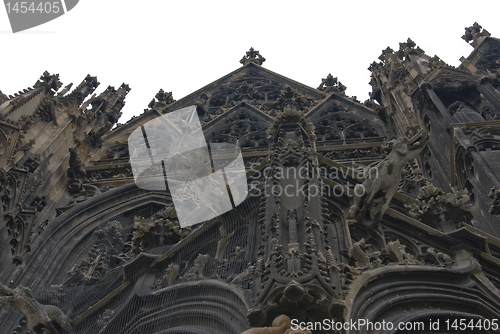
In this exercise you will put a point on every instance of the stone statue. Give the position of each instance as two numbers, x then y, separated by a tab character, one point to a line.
75	172
378	189
280	325
75	169
38	316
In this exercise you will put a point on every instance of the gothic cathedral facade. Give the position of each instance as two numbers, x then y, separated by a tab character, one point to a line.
385	210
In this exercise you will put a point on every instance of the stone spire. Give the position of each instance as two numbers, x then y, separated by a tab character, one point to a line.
49	82
84	89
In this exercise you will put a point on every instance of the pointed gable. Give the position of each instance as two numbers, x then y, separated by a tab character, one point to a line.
338	119
243	124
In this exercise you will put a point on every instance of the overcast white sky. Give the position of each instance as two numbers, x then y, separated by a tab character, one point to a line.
181	46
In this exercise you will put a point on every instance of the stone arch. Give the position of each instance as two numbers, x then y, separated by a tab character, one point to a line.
400	294
177	309
62	241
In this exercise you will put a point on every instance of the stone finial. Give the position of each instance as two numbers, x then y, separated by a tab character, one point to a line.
475	34
408	47
49	81
161	100
290	98
252	56
333	82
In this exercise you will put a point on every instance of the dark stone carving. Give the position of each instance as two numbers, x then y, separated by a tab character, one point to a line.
31	164
439	210
19	231
336	124
94	137
475	34
290	99
331	84
46	110
161	100
75	165
256	90
412	179
49	81
377	191
494	195
245	128
105	112
163	229
23	146
38	316
39	203
363	257
196	271
395	252
100	258
290	115
431	256
222	243
171	273
84	89
252	56
75	171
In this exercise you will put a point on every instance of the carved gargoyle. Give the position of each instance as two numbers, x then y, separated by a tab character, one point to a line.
382	180
38	316
280	325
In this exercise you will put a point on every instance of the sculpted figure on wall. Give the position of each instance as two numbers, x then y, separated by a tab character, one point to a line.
381	185
38	316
